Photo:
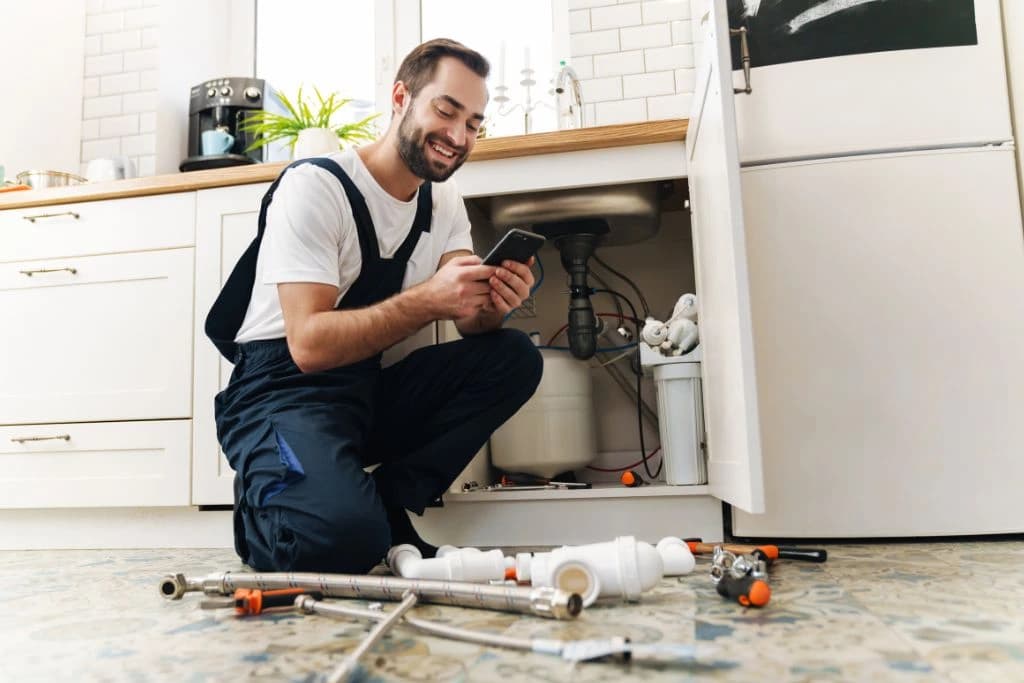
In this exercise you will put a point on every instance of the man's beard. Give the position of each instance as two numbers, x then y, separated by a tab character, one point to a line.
411	147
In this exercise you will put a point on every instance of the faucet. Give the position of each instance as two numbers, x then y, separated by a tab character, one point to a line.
575	111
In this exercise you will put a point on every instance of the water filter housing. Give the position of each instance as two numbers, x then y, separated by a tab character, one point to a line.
680	414
554	431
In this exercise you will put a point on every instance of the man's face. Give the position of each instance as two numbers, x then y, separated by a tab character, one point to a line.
439	127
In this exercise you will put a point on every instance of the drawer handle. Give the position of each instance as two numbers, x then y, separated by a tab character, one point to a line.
30	273
23	439
33	219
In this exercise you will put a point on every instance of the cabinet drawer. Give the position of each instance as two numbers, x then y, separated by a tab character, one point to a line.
103	227
112	464
97	338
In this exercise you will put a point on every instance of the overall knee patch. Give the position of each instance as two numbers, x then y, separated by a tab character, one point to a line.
292	471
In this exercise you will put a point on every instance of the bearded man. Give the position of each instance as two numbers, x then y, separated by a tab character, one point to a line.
357	251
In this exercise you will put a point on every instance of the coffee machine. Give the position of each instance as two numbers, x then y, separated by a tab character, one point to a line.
221	105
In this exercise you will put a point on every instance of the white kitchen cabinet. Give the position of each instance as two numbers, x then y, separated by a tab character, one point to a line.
102	227
226	222
97	338
889	326
103	464
885	292
878	102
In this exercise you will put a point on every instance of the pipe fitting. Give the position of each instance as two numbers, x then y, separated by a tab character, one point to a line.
676	557
623	568
468	564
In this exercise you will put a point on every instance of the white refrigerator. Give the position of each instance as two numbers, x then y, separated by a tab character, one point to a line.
886	261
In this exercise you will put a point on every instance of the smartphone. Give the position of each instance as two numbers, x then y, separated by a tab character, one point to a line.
515	245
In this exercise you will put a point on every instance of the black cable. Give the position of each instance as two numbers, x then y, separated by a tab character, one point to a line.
618	304
623	297
640	427
640	295
638	371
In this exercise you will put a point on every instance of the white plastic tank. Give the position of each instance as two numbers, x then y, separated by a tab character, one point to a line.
554	431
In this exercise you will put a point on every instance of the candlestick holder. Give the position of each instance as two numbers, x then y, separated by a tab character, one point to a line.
527	106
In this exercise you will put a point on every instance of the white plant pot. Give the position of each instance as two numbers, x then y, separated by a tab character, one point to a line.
313	142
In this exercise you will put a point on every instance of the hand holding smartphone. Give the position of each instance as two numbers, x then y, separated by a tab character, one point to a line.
515	245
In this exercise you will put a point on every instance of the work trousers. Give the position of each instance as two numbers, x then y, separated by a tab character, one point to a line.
299	443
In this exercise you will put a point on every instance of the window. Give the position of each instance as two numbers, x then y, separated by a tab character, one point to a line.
512	36
329	45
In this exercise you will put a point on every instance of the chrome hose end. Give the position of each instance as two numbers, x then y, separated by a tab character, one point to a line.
305	603
556	603
174	586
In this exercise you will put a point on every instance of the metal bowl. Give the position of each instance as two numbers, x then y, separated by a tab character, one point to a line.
40	179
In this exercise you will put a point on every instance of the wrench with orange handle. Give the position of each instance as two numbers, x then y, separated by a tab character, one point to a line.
770	552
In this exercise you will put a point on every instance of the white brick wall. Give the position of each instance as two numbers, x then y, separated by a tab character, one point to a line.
634	59
121	80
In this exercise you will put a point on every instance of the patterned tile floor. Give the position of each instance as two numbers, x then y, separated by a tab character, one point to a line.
893	612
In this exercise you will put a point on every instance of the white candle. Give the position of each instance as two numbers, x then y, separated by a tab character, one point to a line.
526	58
501	64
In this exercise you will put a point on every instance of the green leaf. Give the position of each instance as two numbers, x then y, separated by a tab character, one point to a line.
269	126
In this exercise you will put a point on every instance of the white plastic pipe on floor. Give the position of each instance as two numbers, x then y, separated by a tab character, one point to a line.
623	568
468	564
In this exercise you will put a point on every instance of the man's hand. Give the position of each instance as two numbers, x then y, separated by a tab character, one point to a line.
460	288
510	286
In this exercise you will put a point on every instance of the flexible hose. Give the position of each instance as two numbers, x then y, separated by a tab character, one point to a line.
544	602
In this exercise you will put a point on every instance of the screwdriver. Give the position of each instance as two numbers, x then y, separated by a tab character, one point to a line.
746	590
251	601
631	479
769	552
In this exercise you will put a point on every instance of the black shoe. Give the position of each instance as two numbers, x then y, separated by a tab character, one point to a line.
402	531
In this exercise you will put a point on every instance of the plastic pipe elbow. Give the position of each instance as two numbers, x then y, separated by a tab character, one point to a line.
469	565
676	557
654	332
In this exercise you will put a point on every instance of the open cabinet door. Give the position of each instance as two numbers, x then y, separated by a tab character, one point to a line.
720	263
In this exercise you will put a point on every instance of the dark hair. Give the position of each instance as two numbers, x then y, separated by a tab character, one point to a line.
418	67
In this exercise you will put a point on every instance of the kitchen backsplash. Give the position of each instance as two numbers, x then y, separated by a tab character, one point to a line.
634	59
119	98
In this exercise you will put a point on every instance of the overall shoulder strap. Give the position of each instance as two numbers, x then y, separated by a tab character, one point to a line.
228	311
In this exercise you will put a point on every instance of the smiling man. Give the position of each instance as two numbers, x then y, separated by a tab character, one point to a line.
356	251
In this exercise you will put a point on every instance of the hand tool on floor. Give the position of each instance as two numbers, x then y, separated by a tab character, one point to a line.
552	603
252	601
743	578
746	590
770	552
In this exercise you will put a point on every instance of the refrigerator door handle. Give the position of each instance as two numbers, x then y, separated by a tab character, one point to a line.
744	58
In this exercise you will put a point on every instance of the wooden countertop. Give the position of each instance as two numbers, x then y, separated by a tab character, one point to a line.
597	137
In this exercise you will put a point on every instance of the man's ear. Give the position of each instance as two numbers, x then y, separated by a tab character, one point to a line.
400	98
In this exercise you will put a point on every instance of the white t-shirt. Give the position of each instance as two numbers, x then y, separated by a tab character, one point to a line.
311	236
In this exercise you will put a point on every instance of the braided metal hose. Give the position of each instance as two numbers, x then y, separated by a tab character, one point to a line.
551	603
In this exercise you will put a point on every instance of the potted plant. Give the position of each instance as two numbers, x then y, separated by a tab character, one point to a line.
308	132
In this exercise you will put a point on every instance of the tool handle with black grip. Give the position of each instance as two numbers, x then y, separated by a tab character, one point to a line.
745	590
255	601
788	552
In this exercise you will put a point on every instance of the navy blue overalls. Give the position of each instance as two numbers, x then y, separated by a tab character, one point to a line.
299	442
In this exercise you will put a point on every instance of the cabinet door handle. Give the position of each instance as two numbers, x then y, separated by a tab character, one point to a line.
30	273
23	439
744	57
33	219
